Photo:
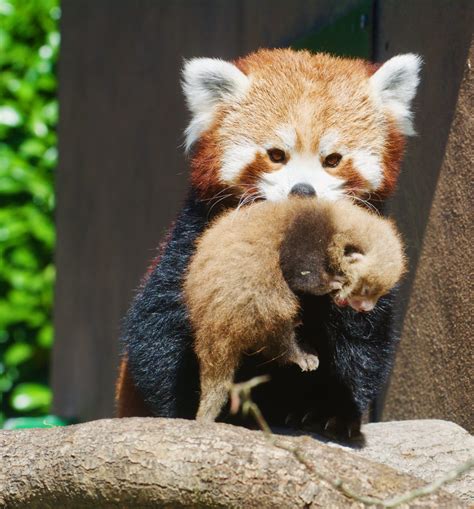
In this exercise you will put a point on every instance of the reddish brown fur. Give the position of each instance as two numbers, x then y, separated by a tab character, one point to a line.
129	402
392	159
251	174
205	166
354	182
238	297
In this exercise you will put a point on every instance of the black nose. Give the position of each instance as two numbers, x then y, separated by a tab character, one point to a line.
303	190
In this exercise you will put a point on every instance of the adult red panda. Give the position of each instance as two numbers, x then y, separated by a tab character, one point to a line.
274	123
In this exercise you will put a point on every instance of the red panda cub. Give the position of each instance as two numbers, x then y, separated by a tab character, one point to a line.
242	283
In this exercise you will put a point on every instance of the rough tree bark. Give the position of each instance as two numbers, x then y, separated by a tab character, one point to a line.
145	462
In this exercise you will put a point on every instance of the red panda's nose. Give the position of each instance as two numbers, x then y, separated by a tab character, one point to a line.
303	189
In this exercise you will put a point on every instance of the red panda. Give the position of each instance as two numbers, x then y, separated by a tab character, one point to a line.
274	123
242	282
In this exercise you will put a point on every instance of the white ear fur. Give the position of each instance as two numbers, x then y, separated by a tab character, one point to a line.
395	86
206	83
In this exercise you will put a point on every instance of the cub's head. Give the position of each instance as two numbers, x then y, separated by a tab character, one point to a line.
281	122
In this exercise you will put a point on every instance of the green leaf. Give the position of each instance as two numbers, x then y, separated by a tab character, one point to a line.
6	7
27	397
9	116
24	258
17	354
5	383
46	336
29	44
32	148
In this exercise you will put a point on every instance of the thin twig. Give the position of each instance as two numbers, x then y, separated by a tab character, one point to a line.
431	487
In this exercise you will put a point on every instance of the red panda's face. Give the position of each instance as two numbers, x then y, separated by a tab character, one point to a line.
280	122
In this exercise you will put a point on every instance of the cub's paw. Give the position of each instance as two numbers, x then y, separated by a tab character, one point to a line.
306	361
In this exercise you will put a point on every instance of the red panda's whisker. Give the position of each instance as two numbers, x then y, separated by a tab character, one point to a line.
247	197
253	198
273	359
365	202
222	198
227	188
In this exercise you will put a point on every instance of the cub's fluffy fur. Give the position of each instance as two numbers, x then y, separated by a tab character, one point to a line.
241	283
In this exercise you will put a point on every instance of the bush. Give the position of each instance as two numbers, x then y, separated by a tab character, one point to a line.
29	42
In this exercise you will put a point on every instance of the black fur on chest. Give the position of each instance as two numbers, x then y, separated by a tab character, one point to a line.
355	352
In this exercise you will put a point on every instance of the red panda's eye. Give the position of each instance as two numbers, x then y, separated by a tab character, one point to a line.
332	160
276	155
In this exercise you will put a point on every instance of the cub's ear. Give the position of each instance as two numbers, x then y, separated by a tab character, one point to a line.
354	257
394	85
206	83
353	253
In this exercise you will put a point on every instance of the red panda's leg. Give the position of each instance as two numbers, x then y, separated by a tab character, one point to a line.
128	401
216	380
294	354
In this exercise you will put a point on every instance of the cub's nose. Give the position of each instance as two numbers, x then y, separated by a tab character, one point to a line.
303	190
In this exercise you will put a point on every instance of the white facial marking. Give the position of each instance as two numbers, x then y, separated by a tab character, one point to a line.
394	87
368	165
328	143
300	169
236	157
287	135
208	82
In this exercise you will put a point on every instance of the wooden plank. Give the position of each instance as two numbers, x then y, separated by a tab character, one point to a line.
433	375
440	31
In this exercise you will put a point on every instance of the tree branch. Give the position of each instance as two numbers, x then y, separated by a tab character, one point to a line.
146	462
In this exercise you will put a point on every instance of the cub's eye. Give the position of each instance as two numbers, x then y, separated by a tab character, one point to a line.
276	155
332	160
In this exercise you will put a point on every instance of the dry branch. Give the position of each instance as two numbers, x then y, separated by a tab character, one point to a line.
144	462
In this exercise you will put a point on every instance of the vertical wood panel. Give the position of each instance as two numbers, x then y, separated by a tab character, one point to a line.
440	31
434	373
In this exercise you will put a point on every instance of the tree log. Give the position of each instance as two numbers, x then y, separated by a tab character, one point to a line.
146	462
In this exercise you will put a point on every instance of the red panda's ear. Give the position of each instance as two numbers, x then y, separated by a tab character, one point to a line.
206	83
394	85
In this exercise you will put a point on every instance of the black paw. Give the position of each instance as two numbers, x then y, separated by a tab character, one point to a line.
339	429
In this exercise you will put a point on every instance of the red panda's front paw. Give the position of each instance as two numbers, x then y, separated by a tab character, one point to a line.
339	428
335	428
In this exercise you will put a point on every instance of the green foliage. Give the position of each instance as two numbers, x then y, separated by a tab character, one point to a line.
29	43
